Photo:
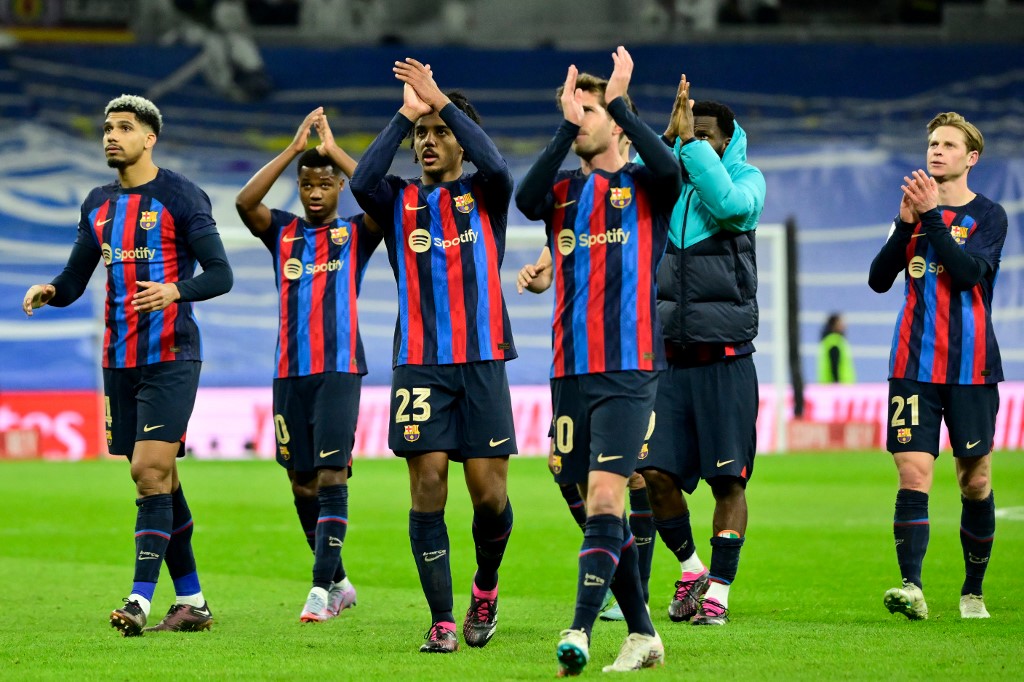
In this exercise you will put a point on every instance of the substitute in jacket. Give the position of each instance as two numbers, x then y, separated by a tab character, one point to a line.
706	405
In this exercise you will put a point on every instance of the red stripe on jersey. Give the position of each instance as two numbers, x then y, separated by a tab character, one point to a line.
131	214
940	360
169	253
97	228
453	262
645	248
598	280
903	340
493	293
414	337
980	335
353	282
316	304
560	191
283	254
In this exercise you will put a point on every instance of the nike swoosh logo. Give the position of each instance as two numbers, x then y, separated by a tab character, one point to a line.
602	458
290	239
496	443
915	236
568	203
103	222
414	208
970	446
202	612
147	428
328	454
728	461
434	556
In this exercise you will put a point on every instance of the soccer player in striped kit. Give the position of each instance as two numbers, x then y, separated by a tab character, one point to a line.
607	232
319	263
944	364
150	227
445	235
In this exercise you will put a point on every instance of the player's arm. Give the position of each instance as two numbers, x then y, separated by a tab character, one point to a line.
370	187
70	284
215	279
249	202
667	178
891	260
536	277
329	147
533	197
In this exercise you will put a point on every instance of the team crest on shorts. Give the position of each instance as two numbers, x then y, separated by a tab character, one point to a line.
147	220
643	452
620	196
412	433
556	464
110	438
464	203
285	455
339	235
903	435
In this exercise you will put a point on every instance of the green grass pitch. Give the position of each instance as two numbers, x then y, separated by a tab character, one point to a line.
807	603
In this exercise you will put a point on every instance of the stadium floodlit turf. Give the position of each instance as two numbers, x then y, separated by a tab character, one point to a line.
807	603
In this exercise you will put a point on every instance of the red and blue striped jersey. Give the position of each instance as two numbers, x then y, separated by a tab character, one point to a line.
446	244
319	271
144	234
944	335
606	240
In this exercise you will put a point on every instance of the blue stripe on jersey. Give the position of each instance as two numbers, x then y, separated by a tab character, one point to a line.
344	332
402	276
439	283
305	305
927	355
154	240
628	323
967	338
483	298
117	308
581	275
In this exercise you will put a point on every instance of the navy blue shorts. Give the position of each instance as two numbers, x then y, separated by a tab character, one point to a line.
149	402
315	420
705	422
464	410
917	410
601	422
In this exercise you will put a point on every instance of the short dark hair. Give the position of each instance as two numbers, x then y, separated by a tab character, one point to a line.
311	158
723	115
145	111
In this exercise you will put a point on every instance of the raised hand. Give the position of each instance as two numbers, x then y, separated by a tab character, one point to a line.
421	79
623	71
323	131
301	138
37	296
907	212
154	296
572	98
921	191
680	123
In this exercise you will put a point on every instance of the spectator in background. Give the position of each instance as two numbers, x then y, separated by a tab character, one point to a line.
230	60
835	361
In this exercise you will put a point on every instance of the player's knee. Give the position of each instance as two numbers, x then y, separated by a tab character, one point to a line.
975	486
725	488
329	476
659	485
603	499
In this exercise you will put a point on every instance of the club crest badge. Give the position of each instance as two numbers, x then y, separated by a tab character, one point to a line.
903	435
147	220
339	235
464	203
412	433
620	197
